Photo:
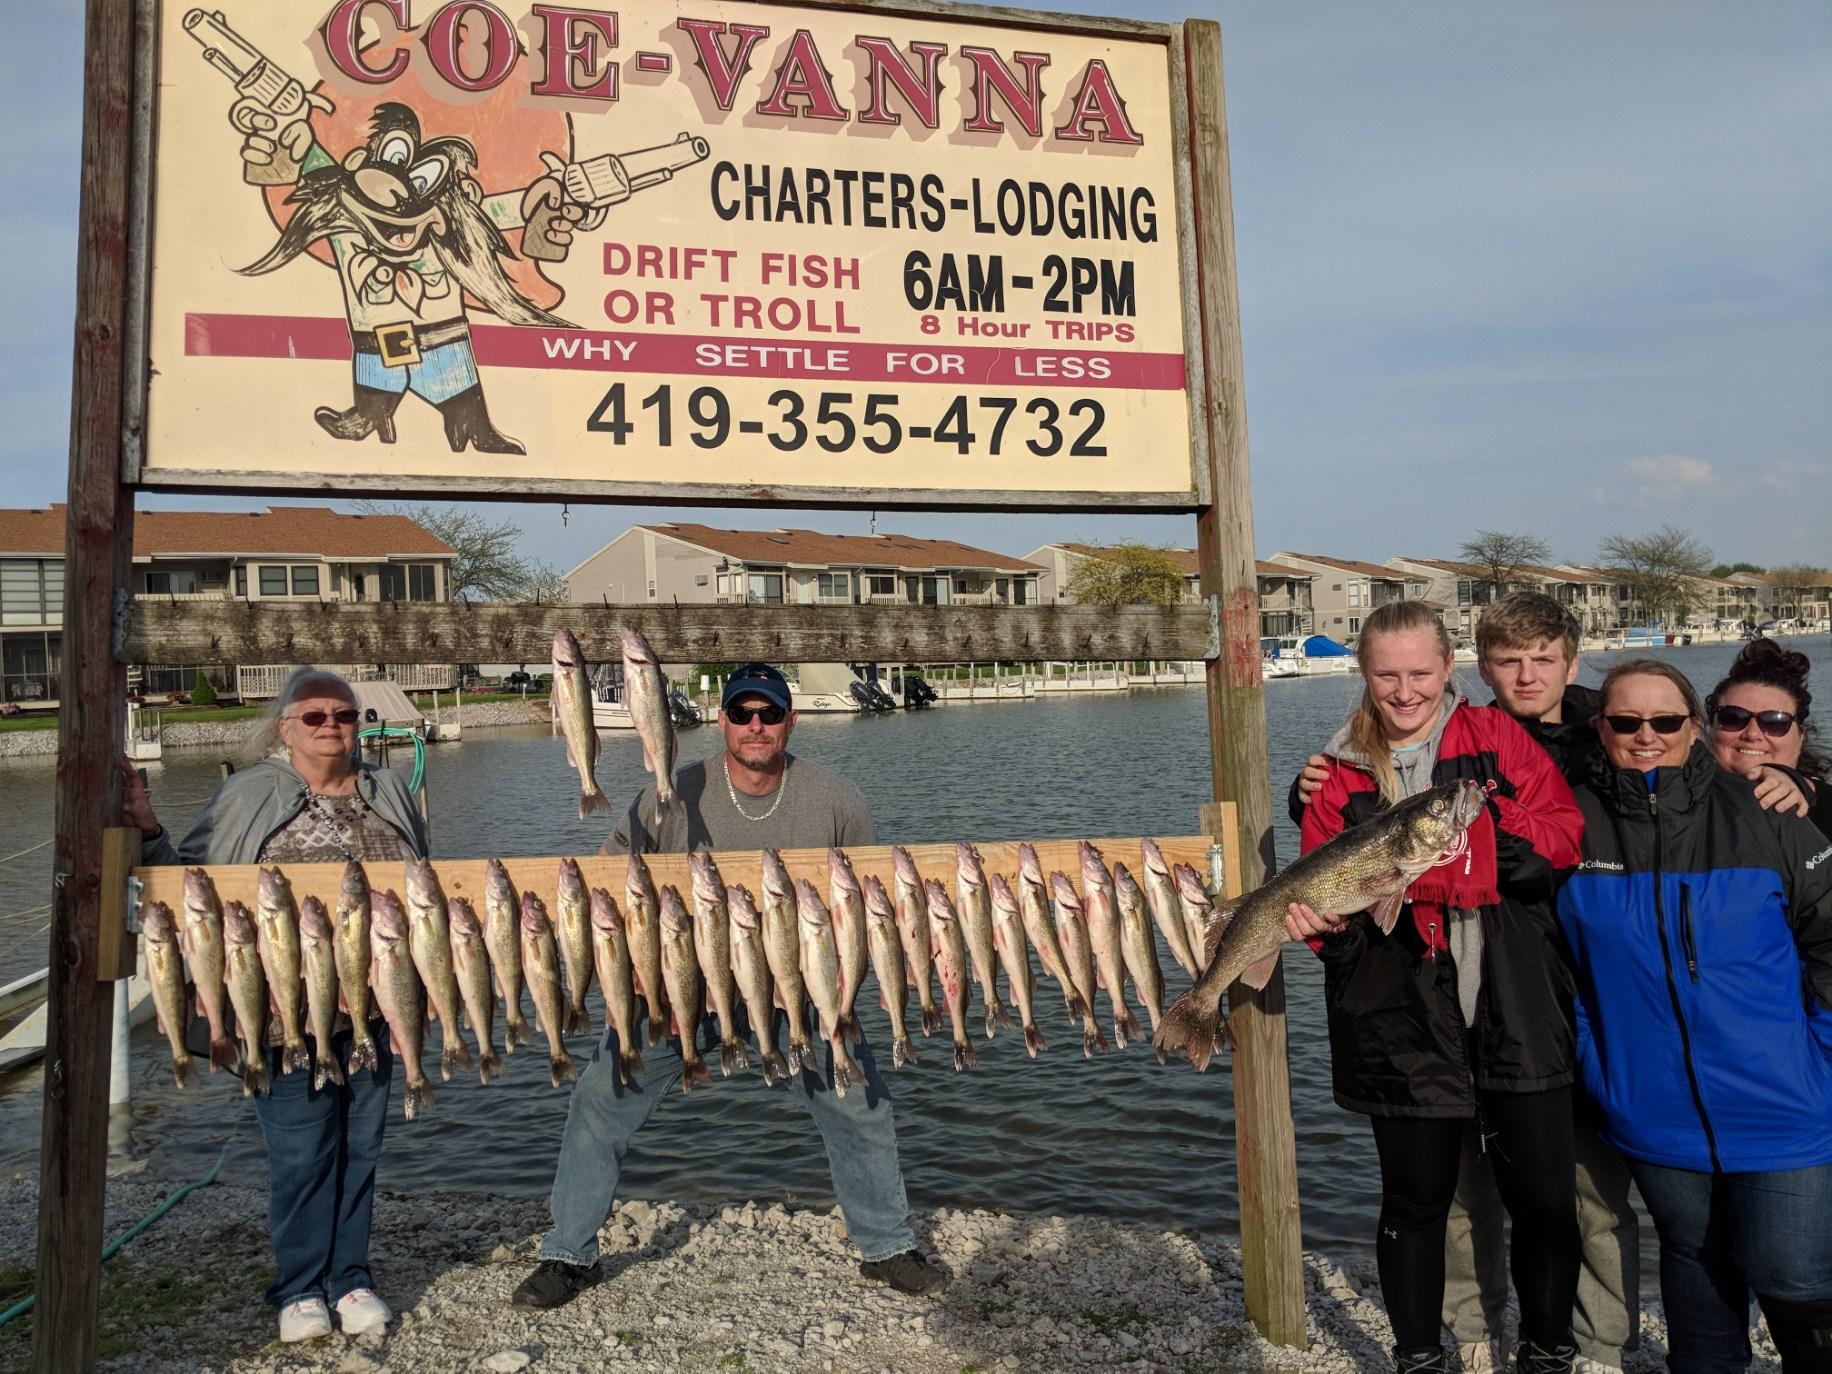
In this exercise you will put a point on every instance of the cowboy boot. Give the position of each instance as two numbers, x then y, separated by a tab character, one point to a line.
373	410
467	421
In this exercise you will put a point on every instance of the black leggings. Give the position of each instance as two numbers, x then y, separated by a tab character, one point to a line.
1529	1140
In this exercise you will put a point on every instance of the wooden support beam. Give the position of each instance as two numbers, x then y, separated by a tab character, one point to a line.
1265	1136
116	948
198	632
98	554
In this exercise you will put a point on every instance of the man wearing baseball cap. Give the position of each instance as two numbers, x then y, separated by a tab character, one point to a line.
755	795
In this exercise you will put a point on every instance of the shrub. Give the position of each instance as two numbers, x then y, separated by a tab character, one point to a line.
202	693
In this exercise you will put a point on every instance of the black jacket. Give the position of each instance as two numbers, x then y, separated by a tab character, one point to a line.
1573	742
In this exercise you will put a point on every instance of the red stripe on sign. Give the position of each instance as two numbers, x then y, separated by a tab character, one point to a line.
530	346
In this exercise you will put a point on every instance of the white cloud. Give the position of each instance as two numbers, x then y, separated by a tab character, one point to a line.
1669	470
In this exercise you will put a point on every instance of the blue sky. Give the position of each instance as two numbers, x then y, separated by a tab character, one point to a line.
1562	268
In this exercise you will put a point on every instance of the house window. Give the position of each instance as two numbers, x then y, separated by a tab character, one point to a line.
1354	624
29	667
652	589
171	583
962	586
1003	588
763	589
394	583
305	581
422	582
881	585
1020	590
31	592
273	581
1354	594
241	580
725	584
699	579
836	586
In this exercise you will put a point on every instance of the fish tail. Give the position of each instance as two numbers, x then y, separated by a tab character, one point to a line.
515	1031
418	1098
362	1054
490	1065
843	1067
1033	1040
655	1032
1193	1027
573	1019
964	1057
1078	1009
931	1020
296	1056
774	1067
730	1057
1126	1026
901	1053
254	1075
184	1070
993	1010
561	1069
694	1071
849	1027
592	800
222	1052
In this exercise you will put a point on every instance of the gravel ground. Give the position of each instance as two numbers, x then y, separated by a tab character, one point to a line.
745	1287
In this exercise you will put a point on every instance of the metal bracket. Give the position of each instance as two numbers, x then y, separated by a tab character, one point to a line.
117	639
1213	650
130	913
1218	872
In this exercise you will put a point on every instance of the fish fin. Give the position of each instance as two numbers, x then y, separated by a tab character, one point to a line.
774	1067
1193	1027
362	1055
448	1056
931	1020
964	1057
1386	911
593	800
562	1070
1257	974
630	1064
254	1075
731	1056
849	1026
1093	1039
846	1071
296	1056
694	1072
222	1053
1126	1027
418	1098
1072	1000
184	1071
1033	1041
490	1065
574	1020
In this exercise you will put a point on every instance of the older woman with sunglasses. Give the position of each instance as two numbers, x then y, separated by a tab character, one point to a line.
1759	728
309	798
1701	928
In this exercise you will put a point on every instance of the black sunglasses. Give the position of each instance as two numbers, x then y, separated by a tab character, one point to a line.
770	715
1663	725
349	715
1775	724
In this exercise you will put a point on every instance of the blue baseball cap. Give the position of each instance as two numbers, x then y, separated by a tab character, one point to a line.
757	679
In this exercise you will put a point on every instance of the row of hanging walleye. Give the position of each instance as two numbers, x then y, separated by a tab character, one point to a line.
309	964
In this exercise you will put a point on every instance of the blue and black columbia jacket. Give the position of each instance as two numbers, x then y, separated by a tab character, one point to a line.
1702	931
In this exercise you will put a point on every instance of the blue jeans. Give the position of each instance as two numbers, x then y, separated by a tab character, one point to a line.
858	1130
322	1148
1722	1235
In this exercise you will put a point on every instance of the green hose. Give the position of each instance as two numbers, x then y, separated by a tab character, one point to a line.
24	1305
419	750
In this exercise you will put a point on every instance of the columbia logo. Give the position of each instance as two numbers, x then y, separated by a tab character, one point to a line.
1605	866
1818	859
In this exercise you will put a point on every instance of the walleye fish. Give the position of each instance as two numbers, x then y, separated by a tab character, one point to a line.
202	941
820	958
1366	868
681	974
847	908
318	962
471	964
247	987
951	968
429	937
1008	943
646	695
616	980
351	934
1103	914
1198	911
573	907
642	923
571	703
502	922
751	968
887	966
1077	959
912	907
1166	909
712	941
1138	947
541	966
165	971
782	946
1034	906
974	911
277	940
397	993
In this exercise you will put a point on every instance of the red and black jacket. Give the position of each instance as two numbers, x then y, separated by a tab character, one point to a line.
1398	1045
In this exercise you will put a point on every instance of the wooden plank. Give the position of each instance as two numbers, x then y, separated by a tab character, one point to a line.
464	877
98	555
187	632
1271	1239
116	947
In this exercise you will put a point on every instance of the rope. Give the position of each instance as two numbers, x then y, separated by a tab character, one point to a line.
22	853
419	750
24	1305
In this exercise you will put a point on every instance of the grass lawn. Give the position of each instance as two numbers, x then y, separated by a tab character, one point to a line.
38	720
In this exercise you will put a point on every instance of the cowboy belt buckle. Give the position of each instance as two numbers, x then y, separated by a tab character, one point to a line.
397	344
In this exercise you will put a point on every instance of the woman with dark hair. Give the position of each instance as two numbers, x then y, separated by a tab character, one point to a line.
1701	928
1460	1010
1758	716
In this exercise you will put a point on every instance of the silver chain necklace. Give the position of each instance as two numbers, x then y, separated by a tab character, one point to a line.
781	788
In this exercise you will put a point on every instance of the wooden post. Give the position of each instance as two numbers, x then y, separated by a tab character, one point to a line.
98	553
1271	1238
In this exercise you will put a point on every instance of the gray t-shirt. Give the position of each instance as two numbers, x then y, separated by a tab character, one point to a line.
819	808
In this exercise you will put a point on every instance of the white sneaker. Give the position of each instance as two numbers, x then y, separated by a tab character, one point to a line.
304	1319
360	1310
1583	1364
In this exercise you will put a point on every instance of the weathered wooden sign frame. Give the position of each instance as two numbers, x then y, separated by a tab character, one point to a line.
107	438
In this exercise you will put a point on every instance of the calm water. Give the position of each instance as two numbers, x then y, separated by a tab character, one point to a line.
1117	1136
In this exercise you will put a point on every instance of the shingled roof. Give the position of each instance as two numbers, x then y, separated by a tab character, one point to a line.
812	548
303	531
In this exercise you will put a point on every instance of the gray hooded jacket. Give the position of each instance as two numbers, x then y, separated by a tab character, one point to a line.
255	804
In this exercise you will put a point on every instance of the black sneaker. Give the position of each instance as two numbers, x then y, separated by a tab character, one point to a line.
554	1283
911	1272
1423	1361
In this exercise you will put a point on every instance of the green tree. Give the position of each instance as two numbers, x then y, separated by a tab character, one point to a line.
487	567
1503	555
1127	574
202	693
1665	570
1726	569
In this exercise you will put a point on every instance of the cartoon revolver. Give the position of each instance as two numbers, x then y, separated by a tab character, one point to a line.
593	186
269	97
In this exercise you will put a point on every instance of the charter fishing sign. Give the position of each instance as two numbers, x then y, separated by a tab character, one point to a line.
671	249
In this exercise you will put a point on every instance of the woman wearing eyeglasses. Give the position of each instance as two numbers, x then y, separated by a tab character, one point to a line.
1701	927
309	799
1759	728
